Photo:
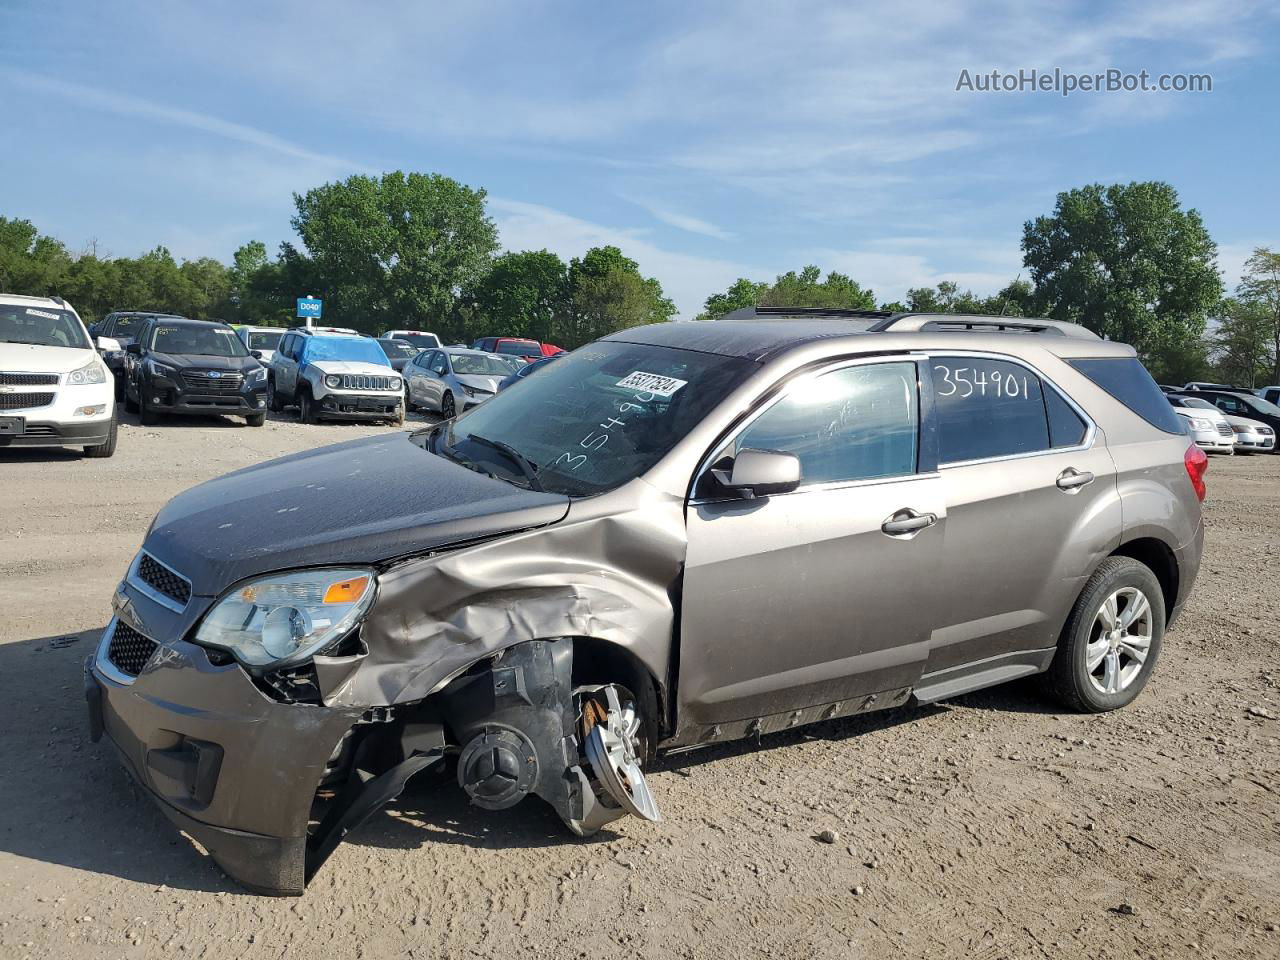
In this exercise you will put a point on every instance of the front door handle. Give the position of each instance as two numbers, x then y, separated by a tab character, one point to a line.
1072	479
908	521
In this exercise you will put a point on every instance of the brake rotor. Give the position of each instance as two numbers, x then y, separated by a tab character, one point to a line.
610	747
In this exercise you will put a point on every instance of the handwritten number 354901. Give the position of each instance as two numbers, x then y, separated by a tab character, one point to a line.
964	382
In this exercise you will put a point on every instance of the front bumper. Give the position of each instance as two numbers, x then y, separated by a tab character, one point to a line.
1212	442
168	395
360	406
57	422
233	768
1255	441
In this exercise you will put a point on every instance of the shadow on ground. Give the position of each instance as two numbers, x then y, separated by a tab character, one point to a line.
69	801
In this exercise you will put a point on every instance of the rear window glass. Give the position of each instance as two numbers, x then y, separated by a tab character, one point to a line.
1066	429
1126	379
987	408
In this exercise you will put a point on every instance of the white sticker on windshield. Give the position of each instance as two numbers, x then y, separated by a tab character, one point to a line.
656	384
41	313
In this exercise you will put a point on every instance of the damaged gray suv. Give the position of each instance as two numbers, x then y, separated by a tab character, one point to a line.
679	535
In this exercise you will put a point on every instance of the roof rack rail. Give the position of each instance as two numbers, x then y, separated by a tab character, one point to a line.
915	322
805	313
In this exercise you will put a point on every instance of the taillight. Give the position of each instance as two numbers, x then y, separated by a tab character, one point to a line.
1196	463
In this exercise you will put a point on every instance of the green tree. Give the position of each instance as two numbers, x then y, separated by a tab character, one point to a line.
606	293
947	297
396	250
1241	342
524	294
1259	294
31	263
806	288
1127	262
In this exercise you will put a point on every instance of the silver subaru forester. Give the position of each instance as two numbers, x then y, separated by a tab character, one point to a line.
679	535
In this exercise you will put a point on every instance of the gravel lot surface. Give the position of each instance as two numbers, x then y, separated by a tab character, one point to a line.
990	826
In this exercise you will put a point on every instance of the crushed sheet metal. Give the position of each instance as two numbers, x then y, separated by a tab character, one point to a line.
606	571
611	748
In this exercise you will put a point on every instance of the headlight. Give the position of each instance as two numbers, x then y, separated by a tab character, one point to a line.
290	617
1201	424
160	370
259	374
91	372
470	391
333	383
395	383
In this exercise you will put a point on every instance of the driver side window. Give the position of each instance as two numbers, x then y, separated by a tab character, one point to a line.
855	423
438	363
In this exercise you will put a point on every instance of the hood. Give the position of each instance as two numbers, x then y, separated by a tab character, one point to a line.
29	358
352	366
184	361
479	382
1215	415
362	501
1243	422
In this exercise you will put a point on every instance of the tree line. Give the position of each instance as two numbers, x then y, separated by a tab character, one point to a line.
419	251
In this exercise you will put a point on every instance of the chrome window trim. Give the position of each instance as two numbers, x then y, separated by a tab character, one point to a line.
1090	432
789	384
102	659
150	592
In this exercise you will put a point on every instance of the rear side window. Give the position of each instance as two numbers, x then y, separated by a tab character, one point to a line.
991	408
1126	379
1066	429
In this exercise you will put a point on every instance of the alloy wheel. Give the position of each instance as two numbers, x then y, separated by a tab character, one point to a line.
1119	641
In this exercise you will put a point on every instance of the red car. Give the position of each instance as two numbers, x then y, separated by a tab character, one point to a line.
519	347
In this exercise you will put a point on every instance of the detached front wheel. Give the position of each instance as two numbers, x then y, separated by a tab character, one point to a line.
1112	638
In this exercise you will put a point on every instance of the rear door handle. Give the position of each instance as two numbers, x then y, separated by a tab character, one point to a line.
908	521
1072	479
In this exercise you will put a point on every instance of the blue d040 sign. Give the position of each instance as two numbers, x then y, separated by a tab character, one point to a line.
310	307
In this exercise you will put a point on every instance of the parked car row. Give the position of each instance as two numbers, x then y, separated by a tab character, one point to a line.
159	364
1226	419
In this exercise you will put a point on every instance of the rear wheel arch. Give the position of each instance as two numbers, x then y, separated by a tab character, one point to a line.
1158	557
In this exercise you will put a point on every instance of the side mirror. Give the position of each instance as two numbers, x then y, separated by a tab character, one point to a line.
134	349
256	354
759	473
108	345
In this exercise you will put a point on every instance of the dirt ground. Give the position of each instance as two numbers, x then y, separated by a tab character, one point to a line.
990	826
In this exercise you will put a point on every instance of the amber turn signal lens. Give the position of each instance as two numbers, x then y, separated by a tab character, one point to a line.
346	591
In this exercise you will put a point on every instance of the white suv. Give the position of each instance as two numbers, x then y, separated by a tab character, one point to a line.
55	391
334	376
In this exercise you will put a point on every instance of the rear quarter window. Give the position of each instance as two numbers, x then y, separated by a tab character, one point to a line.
1126	379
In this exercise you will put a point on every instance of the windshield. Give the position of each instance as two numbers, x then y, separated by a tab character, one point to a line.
397	349
353	349
128	325
520	349
265	340
199	341
598	417
479	365
423	341
41	327
1261	406
1198	403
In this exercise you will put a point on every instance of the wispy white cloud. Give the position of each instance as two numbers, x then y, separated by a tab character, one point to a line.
126	105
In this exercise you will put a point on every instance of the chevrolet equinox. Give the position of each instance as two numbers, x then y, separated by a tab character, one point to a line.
678	535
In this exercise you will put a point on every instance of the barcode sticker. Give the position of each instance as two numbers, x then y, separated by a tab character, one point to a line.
653	383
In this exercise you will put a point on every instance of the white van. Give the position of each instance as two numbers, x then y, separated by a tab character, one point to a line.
55	391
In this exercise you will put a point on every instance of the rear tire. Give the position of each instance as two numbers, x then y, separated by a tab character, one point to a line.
104	450
274	403
1096	670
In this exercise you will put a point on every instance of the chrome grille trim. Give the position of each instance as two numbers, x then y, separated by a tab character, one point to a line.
135	580
363	381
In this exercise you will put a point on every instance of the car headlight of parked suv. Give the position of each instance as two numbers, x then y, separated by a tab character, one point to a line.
332	382
1199	424
287	618
160	370
91	372
259	374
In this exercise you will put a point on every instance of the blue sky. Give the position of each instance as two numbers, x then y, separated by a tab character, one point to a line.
709	141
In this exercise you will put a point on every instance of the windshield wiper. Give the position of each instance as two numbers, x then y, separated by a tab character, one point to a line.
527	466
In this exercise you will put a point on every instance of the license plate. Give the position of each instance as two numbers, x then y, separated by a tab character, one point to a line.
370	403
12	426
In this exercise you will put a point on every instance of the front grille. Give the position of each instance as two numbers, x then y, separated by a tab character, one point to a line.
129	650
28	379
163	580
1224	429
1265	431
225	382
360	381
41	430
24	401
